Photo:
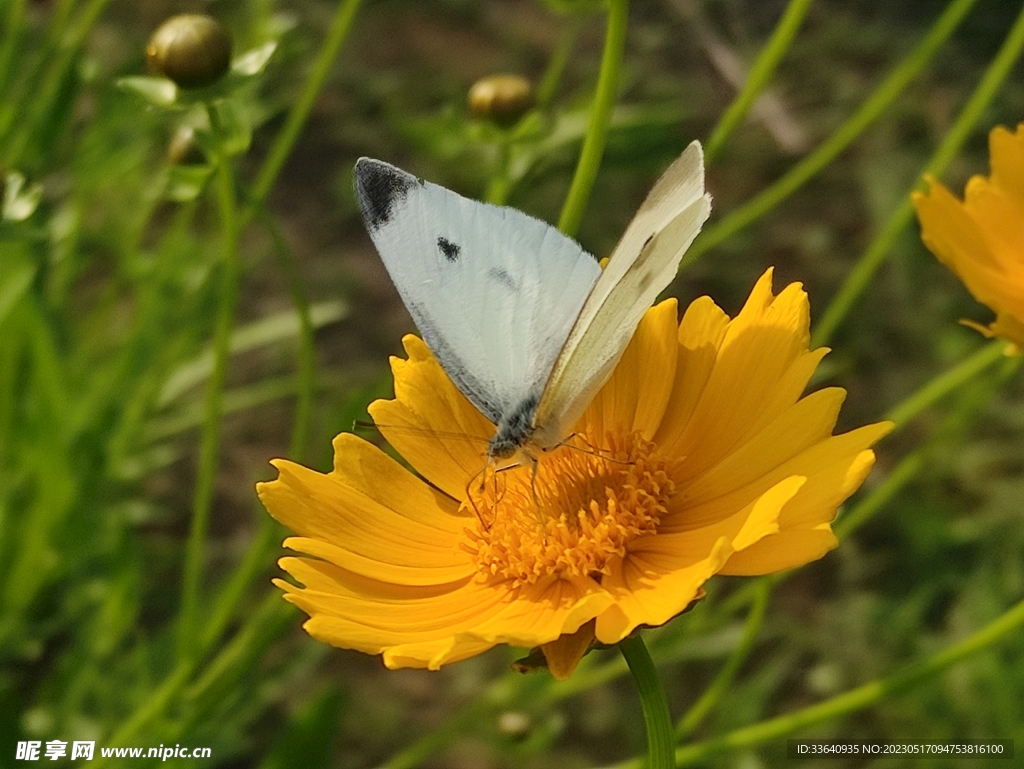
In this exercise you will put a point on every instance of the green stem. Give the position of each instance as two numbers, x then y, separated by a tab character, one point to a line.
210	446
945	383
807	168
917	460
500	185
306	384
266	622
860	276
725	676
857	699
600	119
154	706
762	71
660	739
344	17
269	534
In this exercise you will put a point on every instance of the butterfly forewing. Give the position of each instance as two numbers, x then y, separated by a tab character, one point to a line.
494	292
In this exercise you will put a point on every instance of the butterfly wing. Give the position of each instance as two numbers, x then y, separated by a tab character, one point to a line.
642	264
494	292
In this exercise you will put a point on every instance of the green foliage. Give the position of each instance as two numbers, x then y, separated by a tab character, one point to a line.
158	306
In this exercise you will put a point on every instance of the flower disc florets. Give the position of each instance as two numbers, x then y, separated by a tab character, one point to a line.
574	516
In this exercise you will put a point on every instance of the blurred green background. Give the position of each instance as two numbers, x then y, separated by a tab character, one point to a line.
112	268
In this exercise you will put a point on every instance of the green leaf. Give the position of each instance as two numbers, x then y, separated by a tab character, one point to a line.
158	91
185	183
19	201
252	62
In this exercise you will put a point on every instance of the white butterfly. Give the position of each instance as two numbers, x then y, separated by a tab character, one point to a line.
520	317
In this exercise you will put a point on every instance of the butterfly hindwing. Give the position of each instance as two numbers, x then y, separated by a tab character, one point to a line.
494	292
643	263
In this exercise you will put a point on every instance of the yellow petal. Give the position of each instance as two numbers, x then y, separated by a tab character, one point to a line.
661	574
835	468
1007	153
700	335
324	508
749	465
980	239
565	653
765	344
544	611
431	424
636	395
430	568
1008	327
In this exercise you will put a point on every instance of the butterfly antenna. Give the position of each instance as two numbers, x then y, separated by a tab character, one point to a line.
591	450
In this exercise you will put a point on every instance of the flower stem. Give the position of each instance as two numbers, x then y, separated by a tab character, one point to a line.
860	276
760	74
918	459
500	185
859	698
809	167
946	383
660	740
306	380
600	119
188	634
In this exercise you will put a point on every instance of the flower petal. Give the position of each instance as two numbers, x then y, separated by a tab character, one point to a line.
806	423
1007	151
431	424
835	468
760	368
980	239
700	335
663	573
431	625
372	616
424	535
636	395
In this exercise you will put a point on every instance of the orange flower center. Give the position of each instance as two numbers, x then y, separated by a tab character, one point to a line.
574	516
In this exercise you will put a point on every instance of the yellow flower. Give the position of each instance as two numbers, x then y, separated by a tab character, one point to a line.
698	457
982	239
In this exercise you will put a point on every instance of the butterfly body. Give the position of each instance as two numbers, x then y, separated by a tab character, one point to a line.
521	318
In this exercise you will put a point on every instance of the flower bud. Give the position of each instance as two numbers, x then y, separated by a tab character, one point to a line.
192	50
501	98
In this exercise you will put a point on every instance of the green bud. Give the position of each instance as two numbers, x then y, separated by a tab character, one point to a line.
192	50
501	98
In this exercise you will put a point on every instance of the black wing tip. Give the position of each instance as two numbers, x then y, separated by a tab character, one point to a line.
379	186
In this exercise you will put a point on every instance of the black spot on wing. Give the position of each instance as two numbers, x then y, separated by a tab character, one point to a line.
503	277
450	250
379	188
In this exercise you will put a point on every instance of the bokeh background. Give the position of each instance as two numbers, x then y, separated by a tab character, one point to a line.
108	298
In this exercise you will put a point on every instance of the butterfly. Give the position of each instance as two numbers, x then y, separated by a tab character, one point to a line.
522	319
